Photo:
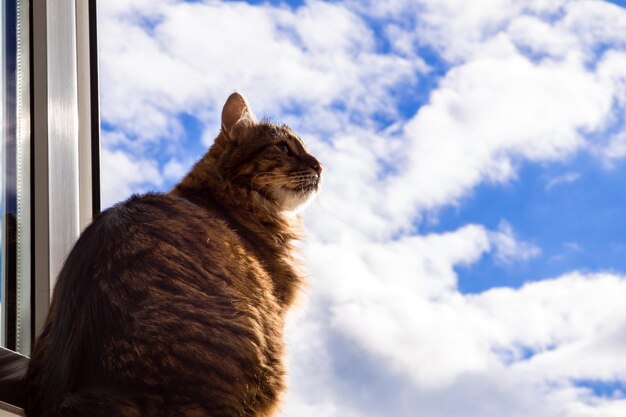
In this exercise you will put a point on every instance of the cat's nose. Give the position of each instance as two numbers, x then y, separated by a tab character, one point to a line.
317	167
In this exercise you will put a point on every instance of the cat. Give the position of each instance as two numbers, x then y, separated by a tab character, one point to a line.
174	304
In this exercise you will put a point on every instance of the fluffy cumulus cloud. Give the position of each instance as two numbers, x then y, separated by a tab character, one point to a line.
489	112
411	105
126	174
204	50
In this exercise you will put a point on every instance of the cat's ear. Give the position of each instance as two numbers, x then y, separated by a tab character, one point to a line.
236	110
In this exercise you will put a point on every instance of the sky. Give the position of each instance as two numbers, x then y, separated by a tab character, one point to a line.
467	253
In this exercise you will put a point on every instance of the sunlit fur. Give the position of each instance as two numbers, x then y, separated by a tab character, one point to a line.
174	304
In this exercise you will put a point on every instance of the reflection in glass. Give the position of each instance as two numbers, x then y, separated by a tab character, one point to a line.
15	178
2	136
8	175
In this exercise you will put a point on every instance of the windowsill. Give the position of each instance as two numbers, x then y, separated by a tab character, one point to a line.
7	410
13	368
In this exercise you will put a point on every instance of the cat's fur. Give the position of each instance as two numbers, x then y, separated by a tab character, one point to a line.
174	304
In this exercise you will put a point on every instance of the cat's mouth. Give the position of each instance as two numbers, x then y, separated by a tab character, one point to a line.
290	192
304	185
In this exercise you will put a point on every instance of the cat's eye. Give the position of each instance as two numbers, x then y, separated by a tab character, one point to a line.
282	146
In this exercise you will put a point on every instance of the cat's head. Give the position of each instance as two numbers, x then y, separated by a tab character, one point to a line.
266	158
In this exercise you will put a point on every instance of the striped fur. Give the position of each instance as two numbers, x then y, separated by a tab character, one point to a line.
174	304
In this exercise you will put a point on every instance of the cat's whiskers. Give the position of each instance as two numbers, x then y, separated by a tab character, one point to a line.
266	175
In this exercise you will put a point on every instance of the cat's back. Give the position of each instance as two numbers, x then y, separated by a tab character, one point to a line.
162	236
160	228
157	217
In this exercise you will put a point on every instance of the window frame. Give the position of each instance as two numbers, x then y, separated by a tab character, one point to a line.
60	131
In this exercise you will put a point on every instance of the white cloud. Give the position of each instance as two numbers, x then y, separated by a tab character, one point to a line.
596	23
505	351
615	149
203	51
508	248
485	115
567	178
572	246
598	408
541	37
612	70
175	170
457	28
123	174
539	315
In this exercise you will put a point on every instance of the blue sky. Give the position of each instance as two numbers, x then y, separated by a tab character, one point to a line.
578	225
467	252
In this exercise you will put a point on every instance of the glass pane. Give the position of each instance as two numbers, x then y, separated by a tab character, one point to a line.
2	141
14	180
2	152
8	200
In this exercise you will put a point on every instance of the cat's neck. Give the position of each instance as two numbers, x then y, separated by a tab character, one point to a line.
242	207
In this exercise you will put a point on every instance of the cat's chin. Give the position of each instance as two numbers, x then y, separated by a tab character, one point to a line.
293	201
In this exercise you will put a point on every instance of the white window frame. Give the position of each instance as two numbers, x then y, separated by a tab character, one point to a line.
59	132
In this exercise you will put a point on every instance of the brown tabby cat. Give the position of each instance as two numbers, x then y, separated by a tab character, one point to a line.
174	304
